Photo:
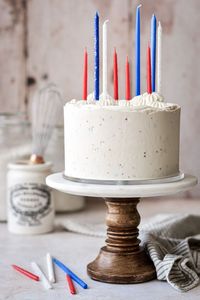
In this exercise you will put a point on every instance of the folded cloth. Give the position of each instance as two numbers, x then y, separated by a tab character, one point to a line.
172	241
174	247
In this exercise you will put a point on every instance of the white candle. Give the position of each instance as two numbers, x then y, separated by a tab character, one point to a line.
43	278
105	65
50	268
159	58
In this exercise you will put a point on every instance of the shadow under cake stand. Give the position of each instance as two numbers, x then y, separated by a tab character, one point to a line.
122	260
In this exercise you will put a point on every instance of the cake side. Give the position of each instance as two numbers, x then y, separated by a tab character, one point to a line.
121	141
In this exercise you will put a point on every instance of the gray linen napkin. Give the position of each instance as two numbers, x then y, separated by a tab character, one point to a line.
172	241
174	247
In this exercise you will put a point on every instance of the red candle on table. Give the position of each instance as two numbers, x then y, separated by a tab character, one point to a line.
115	75
85	75
149	87
71	285
128	89
26	273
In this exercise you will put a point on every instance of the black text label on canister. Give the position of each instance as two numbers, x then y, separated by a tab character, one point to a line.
30	202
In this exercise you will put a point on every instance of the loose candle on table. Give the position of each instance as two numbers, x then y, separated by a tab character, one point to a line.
96	57
159	58
137	52
71	285
105	64
26	273
43	278
85	75
149	88
70	273
128	91
50	268
115	75
153	52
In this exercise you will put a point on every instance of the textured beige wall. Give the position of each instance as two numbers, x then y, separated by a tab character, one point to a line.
43	41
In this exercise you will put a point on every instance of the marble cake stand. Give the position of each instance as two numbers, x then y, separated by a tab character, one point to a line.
122	260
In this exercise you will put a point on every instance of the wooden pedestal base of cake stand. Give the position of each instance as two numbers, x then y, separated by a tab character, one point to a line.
122	260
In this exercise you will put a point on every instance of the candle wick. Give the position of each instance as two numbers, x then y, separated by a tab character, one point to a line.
153	16
139	6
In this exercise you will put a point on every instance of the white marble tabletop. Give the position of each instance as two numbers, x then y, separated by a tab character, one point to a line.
76	251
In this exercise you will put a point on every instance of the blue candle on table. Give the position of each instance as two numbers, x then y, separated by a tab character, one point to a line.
153	53
96	56
70	273
137	52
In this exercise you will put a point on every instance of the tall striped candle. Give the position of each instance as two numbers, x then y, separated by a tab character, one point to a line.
85	75
128	86
96	56
149	83
105	64
137	51
153	52
115	75
159	59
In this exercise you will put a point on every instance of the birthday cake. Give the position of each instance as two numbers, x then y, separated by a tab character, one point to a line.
123	140
108	139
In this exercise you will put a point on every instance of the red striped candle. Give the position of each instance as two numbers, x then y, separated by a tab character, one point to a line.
128	90
149	87
115	75
71	285
85	75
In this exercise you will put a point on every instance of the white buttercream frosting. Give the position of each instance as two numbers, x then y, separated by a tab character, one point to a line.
106	100
123	103
121	141
146	99
153	101
90	99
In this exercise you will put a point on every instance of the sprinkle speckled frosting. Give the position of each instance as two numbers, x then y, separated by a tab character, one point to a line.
121	140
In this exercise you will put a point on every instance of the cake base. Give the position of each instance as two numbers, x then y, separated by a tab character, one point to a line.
179	176
122	260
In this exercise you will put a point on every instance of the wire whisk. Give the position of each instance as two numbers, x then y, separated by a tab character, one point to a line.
46	110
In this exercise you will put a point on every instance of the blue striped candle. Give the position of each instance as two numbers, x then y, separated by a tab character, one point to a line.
96	56
153	52
137	52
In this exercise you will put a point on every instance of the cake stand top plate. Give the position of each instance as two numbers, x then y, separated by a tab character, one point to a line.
58	182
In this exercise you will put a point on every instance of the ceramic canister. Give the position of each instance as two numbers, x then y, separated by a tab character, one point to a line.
30	204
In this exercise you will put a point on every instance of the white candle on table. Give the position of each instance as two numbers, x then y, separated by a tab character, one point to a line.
159	58
50	268
105	65
43	278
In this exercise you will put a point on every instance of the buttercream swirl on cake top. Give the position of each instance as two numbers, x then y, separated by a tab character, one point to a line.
154	101
150	100
104	100
90	99
124	103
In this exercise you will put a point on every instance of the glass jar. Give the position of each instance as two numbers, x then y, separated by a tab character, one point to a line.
15	143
